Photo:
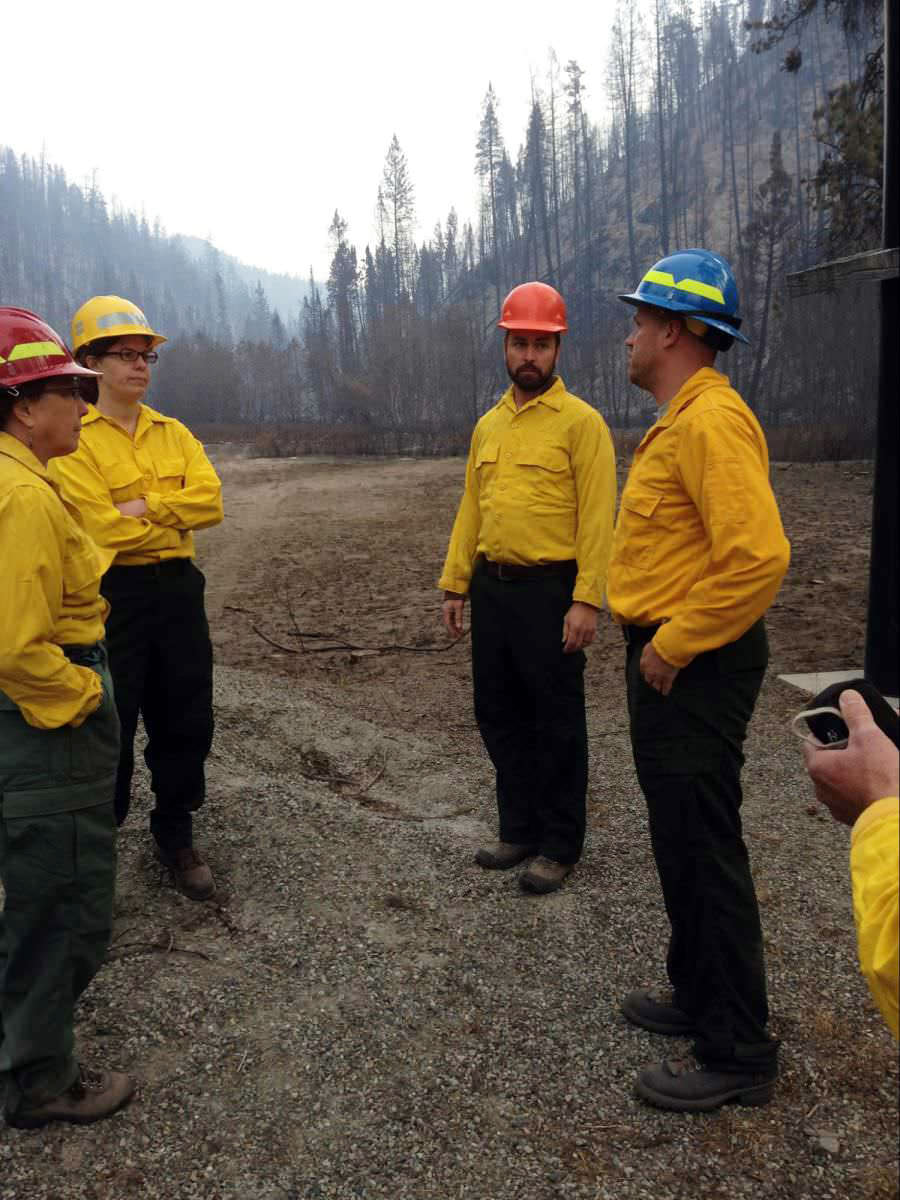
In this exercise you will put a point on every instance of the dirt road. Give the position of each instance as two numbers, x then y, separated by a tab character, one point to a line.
362	1012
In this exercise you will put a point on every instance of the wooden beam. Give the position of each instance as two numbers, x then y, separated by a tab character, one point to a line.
872	266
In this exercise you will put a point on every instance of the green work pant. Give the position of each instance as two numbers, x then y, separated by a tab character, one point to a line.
57	866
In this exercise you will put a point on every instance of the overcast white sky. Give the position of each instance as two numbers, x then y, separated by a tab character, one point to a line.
250	123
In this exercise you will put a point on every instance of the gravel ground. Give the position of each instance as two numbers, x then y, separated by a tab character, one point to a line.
363	1013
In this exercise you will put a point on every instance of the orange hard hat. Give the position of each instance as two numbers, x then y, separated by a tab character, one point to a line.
534	306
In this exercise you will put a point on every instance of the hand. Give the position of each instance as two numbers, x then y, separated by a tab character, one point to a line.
133	508
579	627
848	781
659	674
452	612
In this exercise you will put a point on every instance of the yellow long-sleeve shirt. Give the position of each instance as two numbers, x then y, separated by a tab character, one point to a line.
49	595
874	870
162	462
698	543
540	487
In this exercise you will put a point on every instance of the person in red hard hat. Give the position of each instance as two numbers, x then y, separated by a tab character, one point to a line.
59	743
529	548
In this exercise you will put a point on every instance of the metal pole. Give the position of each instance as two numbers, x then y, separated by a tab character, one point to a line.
890	227
881	666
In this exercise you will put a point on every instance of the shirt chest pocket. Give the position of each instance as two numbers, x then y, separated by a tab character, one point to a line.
170	472
553	459
637	530
543	478
124	480
486	459
487	455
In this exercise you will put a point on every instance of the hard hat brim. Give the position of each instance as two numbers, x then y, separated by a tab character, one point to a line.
676	306
533	326
77	369
50	372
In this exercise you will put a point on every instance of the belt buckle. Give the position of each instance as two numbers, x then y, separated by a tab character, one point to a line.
500	575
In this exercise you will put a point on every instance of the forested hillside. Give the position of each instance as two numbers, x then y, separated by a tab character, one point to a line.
59	244
710	129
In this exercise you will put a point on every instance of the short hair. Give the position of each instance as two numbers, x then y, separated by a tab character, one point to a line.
95	349
714	339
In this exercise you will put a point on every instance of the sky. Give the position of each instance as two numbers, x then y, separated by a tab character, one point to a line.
250	123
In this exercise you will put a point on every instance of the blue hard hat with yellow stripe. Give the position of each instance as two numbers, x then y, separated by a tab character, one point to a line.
697	284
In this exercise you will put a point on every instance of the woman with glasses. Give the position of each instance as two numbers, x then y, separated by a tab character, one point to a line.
143	484
59	744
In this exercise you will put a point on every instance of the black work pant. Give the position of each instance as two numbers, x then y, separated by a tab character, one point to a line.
160	657
529	705
688	753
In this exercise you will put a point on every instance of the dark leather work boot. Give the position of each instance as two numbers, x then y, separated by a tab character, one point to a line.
657	1012
93	1096
193	878
500	856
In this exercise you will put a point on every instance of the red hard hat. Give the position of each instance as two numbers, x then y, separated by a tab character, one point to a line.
534	306
30	349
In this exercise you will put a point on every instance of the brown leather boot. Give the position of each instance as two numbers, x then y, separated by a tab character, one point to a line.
93	1096
500	856
544	875
193	878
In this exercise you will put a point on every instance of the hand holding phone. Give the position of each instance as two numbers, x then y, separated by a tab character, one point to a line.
847	781
822	716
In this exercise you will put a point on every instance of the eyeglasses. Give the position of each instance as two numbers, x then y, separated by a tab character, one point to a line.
130	356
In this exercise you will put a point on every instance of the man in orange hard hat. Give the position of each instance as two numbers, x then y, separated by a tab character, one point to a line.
530	547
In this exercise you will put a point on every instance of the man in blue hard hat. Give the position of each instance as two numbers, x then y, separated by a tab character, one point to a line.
698	556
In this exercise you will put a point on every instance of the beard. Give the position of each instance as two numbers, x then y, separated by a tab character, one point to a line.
530	379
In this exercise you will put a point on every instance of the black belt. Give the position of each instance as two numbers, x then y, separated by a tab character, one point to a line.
639	635
86	656
169	566
505	571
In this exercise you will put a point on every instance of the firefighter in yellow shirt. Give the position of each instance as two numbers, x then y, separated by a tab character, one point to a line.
143	484
860	787
59	744
529	547
698	556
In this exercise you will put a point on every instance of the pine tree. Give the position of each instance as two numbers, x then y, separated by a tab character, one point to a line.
489	156
397	199
343	282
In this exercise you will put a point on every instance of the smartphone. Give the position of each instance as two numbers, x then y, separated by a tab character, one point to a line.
829	728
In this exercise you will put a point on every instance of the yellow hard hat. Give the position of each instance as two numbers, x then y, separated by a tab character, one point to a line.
110	316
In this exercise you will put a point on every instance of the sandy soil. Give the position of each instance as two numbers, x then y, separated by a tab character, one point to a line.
362	1012
352	549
